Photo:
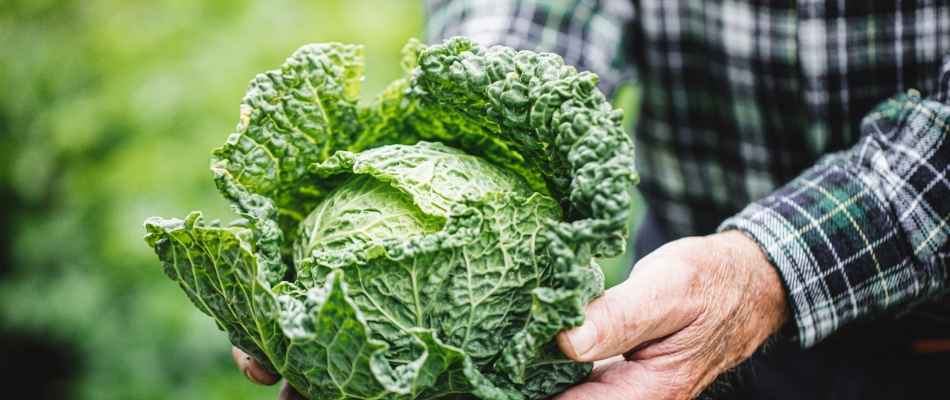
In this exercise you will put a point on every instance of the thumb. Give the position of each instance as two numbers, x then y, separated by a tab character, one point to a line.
253	369
646	307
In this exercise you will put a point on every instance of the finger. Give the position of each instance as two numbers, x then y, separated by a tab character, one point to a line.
288	392
602	366
616	380
653	303
253	369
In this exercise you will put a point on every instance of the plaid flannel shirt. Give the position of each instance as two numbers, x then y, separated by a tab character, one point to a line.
784	119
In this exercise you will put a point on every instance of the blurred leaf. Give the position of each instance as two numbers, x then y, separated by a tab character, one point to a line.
107	104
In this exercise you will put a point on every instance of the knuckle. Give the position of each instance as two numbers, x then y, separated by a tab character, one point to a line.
617	327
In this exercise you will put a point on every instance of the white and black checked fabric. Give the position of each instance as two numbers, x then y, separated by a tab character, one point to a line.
740	97
864	232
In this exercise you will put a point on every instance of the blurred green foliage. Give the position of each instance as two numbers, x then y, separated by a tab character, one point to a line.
108	112
108	115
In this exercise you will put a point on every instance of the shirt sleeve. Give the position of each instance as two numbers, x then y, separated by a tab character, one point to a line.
586	33
863	234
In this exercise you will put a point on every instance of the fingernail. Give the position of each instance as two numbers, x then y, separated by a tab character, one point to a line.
583	338
253	370
257	374
246	368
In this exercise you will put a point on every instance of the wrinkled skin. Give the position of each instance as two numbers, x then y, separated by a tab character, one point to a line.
690	311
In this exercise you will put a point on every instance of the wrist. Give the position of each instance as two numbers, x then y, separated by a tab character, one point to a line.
765	294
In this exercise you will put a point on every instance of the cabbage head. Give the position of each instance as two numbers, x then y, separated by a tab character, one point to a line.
427	244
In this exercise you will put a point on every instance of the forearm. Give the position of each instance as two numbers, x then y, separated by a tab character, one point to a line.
766	301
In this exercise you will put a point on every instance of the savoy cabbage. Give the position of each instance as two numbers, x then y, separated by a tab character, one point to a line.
428	244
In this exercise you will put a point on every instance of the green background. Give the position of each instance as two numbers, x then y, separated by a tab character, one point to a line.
108	112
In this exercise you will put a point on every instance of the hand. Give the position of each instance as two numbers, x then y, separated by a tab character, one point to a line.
689	311
257	374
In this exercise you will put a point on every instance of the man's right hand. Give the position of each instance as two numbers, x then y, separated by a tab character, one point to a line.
257	374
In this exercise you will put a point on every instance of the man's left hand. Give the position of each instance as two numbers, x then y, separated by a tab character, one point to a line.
689	311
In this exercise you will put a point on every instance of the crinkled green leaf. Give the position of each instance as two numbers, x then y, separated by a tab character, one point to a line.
421	269
405	114
472	281
317	339
434	176
363	210
291	118
552	372
221	272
